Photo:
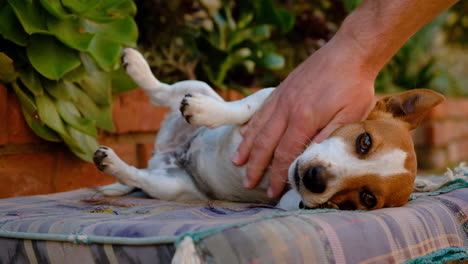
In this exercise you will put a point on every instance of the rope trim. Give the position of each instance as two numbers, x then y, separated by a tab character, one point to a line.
442	256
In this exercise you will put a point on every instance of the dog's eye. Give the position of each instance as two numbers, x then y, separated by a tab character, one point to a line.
363	143
368	199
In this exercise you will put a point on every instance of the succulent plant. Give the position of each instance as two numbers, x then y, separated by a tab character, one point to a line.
62	59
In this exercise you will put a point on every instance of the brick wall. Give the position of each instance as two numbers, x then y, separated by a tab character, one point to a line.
29	165
442	139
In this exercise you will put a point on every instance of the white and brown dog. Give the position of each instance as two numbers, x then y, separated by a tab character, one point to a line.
365	165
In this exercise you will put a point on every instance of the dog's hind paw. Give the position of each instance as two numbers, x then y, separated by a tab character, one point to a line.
202	110
105	159
99	156
136	66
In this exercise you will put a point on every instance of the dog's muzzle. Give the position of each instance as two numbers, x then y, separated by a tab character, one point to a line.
314	179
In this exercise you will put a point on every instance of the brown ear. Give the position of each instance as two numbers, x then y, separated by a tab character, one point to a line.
410	106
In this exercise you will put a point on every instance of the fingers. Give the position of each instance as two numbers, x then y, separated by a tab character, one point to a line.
326	131
293	142
263	149
251	131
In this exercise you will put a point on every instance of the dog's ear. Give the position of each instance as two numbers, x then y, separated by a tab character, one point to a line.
410	106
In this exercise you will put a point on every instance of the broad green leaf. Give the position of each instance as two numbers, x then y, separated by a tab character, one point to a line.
72	116
60	90
32	81
71	32
76	74
89	109
50	57
109	10
32	118
55	8
108	4
8	73
40	129
49	115
121	81
31	16
74	146
126	8
80	6
123	31
272	61
106	53
83	145
10	27
97	84
26	102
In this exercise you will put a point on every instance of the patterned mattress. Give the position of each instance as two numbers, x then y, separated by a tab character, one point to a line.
81	227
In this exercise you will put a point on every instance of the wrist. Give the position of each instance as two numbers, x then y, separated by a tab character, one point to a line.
364	50
351	56
375	31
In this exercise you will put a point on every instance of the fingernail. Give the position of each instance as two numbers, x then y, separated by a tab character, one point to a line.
246	183
242	130
270	192
235	158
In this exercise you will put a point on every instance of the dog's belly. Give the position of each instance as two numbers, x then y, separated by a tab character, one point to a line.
207	159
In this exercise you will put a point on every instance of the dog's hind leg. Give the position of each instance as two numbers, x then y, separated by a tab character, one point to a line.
162	94
167	183
202	110
116	189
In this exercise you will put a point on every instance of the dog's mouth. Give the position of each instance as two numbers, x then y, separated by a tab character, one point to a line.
326	205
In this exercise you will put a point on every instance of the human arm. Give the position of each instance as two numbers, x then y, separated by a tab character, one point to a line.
334	86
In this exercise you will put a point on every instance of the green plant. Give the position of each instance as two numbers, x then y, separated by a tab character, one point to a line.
62	59
211	40
418	65
242	40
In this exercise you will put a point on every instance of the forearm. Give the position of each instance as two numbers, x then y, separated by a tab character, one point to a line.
375	31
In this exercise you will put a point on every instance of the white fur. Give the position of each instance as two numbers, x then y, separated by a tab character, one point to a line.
207	111
161	94
155	182
290	200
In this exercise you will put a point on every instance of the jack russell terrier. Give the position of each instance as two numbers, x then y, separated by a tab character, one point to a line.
361	166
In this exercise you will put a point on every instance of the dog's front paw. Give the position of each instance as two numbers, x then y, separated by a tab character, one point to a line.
105	159
202	110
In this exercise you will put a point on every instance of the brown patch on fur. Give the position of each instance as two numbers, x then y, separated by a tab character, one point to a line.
410	107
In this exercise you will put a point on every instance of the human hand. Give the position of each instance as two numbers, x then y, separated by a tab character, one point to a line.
326	91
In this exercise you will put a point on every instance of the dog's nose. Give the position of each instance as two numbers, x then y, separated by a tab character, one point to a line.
315	180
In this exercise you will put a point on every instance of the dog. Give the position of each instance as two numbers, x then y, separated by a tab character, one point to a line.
361	166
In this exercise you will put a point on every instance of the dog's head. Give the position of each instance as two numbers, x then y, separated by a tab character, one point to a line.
365	165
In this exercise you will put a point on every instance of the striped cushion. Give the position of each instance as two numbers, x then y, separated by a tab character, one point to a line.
80	226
